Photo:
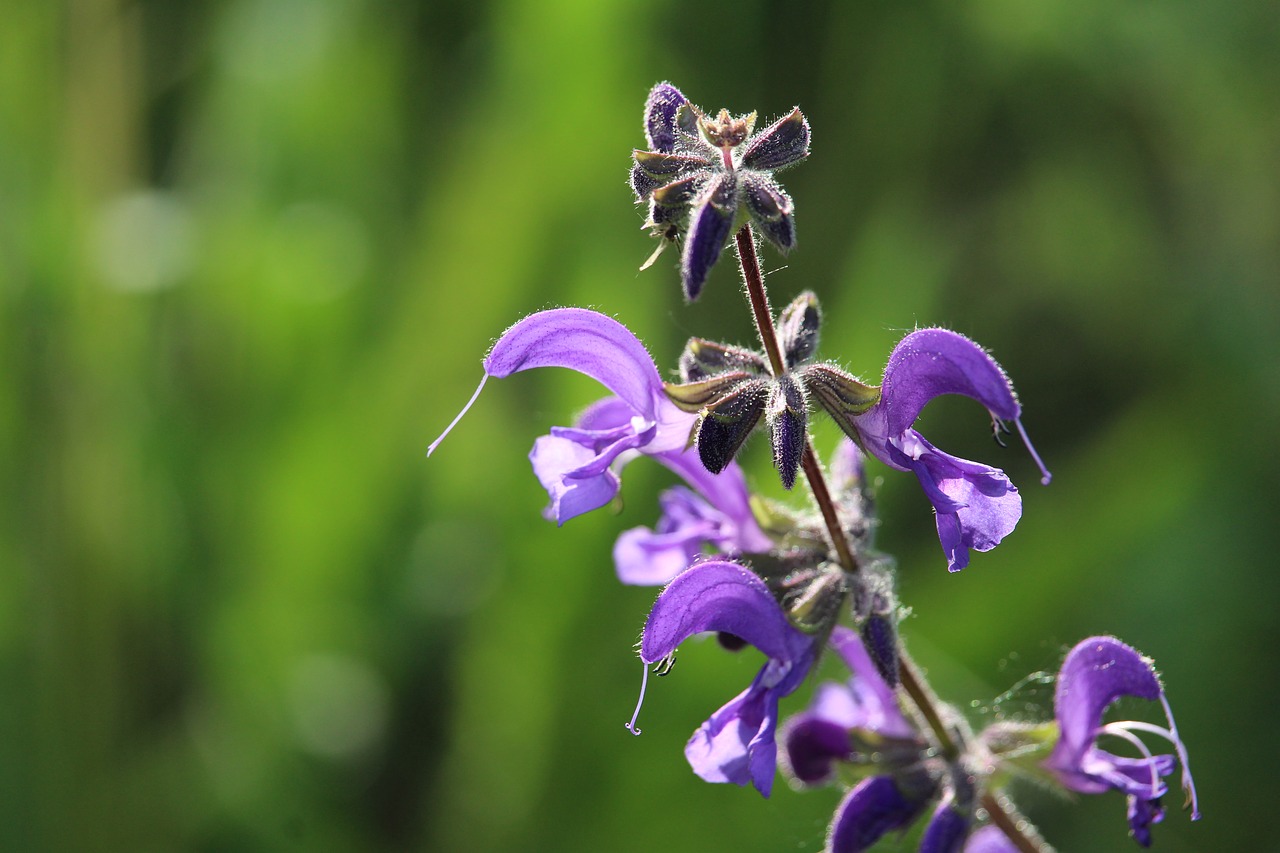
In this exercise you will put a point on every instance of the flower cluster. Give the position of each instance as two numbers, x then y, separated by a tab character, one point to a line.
794	582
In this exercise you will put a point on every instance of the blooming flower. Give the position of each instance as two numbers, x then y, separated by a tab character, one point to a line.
716	512
975	505
1097	672
577	465
736	744
700	172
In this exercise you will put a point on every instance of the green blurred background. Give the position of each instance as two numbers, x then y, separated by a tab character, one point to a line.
252	252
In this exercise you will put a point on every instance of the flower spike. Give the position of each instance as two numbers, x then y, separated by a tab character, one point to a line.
703	175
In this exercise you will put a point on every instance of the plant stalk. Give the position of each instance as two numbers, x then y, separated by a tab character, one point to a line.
912	680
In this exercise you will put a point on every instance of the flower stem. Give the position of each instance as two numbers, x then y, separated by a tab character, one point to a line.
758	298
912	680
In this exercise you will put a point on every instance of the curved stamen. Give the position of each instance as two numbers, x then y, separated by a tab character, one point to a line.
1122	731
1045	476
431	448
1188	784
644	682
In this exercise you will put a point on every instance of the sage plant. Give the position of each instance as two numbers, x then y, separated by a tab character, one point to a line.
796	581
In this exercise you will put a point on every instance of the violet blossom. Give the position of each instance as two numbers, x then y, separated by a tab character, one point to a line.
1097	672
975	505
737	743
578	465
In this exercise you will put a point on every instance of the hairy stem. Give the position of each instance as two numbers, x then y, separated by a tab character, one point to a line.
913	681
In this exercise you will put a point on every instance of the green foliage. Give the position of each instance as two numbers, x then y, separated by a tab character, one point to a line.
251	254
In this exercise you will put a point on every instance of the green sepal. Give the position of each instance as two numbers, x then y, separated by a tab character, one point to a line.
843	396
662	166
693	397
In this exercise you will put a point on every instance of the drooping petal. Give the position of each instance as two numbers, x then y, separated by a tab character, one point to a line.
975	505
726	491
736	744
660	116
553	458
931	362
781	144
709	229
582	340
872	808
771	209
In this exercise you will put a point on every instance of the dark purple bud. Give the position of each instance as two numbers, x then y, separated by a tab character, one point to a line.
660	111
771	209
726	425
880	637
787	416
843	396
813	746
874	807
703	359
798	329
782	143
642	183
947	830
709	228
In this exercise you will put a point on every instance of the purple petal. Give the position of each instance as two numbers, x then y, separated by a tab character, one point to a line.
976	506
813	744
1142	813
932	362
660	116
875	806
554	459
875	701
737	743
585	341
726	491
577	465
650	557
989	839
717	596
709	228
946	830
1096	672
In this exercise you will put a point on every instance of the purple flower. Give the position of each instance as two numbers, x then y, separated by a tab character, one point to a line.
716	513
975	505
700	172
736	744
1097	672
577	465
989	839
